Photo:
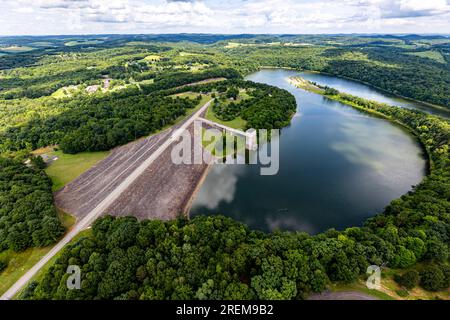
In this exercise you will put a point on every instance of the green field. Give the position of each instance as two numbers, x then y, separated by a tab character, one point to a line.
69	166
16	49
65	92
44	269
42	44
78	43
20	262
192	95
152	57
237	123
430	54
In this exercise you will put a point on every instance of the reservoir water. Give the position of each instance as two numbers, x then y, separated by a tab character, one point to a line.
367	92
338	166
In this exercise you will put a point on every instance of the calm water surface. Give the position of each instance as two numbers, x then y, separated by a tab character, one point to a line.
338	167
367	92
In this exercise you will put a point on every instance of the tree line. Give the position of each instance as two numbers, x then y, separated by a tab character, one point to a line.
269	107
27	215
98	123
387	67
218	258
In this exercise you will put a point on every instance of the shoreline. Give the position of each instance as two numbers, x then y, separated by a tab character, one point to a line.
190	201
394	95
306	85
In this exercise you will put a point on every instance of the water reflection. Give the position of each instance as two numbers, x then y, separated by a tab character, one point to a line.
367	92
219	186
288	222
338	166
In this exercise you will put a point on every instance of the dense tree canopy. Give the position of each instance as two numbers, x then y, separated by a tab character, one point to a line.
27	215
217	258
390	68
213	257
269	107
99	123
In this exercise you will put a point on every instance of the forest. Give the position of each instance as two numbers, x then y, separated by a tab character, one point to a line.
27	215
387	68
268	108
213	257
95	124
217	258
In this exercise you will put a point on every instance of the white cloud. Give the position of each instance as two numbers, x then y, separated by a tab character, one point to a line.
227	16
24	10
420	5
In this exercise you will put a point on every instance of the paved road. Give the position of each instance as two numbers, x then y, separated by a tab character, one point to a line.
102	206
342	295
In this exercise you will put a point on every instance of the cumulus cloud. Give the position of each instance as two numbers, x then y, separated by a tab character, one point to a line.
240	16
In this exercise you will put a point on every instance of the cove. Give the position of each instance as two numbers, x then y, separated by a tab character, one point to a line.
338	166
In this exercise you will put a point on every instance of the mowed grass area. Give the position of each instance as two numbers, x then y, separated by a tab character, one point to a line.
430	54
192	95
40	274
391	290
18	265
237	123
69	166
152	57
65	92
20	262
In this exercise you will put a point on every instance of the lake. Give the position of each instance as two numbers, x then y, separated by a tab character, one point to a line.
338	166
368	92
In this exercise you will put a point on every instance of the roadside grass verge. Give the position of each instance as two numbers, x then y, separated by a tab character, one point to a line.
392	288
16	49
40	274
20	262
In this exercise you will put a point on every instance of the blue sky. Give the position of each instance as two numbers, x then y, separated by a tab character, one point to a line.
40	17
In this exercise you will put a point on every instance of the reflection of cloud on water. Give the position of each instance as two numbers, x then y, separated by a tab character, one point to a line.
382	147
358	155
376	147
220	185
284	222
